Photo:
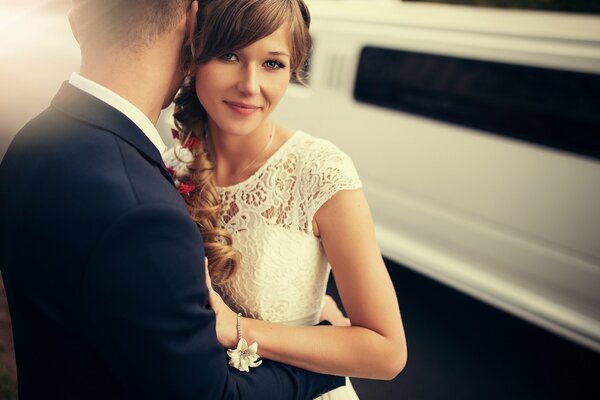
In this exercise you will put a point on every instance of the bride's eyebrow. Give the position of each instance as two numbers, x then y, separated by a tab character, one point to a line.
279	53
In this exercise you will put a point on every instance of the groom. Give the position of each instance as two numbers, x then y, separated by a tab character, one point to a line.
102	265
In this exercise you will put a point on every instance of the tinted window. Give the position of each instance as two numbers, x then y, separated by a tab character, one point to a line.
586	6
555	108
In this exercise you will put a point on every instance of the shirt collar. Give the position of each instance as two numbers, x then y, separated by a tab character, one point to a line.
119	103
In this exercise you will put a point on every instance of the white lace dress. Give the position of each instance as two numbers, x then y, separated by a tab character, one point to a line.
284	270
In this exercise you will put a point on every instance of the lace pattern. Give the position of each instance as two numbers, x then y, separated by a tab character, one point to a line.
284	270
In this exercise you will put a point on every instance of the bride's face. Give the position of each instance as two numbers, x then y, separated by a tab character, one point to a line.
241	88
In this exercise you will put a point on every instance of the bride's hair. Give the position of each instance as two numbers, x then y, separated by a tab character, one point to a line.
225	26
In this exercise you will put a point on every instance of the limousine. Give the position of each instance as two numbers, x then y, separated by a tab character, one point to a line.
476	135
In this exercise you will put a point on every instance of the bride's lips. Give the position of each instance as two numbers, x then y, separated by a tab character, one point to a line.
242	108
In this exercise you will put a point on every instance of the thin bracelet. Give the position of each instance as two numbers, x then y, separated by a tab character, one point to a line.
239	326
243	357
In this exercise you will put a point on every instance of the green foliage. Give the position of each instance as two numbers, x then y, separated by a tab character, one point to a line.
583	6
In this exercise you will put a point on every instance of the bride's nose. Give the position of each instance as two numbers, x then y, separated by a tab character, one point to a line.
248	81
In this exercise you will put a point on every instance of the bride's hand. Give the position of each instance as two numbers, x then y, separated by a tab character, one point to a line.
332	313
226	319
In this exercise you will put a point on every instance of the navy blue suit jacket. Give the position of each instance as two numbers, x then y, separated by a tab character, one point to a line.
104	270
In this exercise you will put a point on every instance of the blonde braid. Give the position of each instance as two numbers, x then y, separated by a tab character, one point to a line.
204	203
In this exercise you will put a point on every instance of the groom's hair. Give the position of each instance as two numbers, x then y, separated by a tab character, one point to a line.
132	23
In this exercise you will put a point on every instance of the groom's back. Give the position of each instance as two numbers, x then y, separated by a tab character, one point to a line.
62	184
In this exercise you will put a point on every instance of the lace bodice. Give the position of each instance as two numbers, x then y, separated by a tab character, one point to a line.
284	270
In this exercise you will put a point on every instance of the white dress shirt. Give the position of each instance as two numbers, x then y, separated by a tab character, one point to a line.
114	100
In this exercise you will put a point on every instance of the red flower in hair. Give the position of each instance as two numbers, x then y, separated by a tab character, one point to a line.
186	188
190	143
175	133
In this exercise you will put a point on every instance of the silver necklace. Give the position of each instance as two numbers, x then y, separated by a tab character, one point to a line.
262	152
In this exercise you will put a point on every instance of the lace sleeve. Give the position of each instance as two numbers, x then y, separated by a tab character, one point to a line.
328	171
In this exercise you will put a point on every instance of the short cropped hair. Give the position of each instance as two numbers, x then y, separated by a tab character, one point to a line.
132	23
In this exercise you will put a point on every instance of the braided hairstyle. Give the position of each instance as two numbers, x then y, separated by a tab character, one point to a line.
225	26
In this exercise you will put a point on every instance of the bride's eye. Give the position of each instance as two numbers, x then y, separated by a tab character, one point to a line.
274	65
229	57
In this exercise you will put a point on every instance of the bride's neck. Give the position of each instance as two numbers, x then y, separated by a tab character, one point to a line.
238	156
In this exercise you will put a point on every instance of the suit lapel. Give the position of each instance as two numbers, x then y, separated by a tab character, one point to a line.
88	109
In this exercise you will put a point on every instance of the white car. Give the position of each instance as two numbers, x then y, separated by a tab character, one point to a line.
476	134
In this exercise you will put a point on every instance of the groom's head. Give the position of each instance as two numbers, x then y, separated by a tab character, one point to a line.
141	33
132	24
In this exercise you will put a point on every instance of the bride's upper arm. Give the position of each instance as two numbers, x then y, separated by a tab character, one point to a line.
347	232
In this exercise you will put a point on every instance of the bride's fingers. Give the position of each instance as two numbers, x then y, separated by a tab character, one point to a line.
207	275
211	292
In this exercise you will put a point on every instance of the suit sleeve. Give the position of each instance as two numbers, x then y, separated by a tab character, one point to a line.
145	311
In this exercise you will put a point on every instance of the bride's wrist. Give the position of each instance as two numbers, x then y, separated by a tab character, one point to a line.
239	329
244	355
233	332
246	330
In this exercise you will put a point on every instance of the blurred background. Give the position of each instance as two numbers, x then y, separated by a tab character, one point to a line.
475	128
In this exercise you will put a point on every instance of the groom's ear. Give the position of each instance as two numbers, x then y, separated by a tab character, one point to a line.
190	23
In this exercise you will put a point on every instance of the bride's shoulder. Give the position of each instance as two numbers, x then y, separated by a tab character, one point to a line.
319	153
312	147
324	169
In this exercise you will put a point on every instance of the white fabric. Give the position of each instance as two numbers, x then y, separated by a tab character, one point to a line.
119	103
284	270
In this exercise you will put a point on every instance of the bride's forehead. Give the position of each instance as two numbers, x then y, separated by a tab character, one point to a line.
277	42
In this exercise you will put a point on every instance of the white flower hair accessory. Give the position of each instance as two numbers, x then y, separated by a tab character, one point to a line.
243	357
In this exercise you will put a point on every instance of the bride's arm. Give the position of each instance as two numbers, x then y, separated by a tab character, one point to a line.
374	346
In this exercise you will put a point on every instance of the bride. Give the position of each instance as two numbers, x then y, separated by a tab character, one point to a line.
278	208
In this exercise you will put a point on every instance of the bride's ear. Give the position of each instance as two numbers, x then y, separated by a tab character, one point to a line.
190	24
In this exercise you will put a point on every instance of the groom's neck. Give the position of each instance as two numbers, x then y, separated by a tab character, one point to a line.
142	78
